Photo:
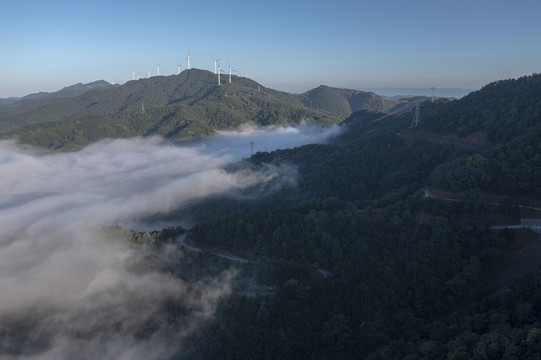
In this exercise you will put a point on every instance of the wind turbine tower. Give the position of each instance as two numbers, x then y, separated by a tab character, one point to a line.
219	72
178	67
158	70
216	63
228	64
133	75
188	58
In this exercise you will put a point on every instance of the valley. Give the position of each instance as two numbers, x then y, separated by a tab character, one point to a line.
378	240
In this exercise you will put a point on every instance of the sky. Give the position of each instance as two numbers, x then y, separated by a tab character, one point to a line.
289	45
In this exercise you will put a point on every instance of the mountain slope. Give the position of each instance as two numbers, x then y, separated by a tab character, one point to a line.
327	99
77	89
14	108
344	102
504	109
176	106
188	104
366	266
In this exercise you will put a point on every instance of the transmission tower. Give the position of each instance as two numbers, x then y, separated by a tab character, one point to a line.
416	116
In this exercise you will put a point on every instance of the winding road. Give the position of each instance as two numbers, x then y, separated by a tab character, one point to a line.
181	241
534	227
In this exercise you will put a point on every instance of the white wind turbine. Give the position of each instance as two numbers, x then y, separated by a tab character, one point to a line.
178	67
149	73
216	61
228	64
219	72
158	70
188	58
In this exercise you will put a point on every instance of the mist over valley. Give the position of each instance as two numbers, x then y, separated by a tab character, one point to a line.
358	228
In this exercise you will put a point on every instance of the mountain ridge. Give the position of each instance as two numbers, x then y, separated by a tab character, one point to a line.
65	92
188	104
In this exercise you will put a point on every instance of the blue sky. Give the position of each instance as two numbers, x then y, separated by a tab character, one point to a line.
287	45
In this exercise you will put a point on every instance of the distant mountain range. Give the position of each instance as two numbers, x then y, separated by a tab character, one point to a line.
396	93
176	106
66	92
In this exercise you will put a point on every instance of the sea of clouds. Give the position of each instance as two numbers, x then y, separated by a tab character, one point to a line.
78	291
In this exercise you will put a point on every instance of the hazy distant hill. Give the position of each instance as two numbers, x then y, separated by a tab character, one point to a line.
14	111
69	91
396	93
8	101
188	104
79	89
344	102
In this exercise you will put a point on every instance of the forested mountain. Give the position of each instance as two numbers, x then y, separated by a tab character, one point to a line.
36	100
509	112
504	109
362	259
367	266
176	106
7	101
344	102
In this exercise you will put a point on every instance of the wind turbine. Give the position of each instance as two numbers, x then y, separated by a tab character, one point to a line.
228	64
149	73
178	67
219	72
188	58
158	70
216	61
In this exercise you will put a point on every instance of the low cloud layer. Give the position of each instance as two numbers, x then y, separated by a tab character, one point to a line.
71	290
237	144
78	292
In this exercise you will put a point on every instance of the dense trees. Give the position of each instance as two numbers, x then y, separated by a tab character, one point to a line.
366	269
505	109
394	281
511	169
